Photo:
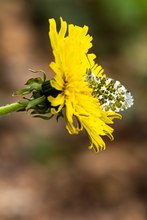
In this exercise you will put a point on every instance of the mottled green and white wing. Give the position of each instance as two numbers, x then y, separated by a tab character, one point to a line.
112	95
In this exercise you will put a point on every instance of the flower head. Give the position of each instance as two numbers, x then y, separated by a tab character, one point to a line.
74	81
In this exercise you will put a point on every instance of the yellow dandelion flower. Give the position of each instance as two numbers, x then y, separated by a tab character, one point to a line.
72	63
80	91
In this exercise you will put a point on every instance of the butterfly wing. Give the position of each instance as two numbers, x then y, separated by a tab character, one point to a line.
112	95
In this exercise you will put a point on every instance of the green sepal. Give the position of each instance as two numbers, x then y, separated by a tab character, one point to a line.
59	115
34	80
43	117
40	109
24	102
34	86
39	71
22	92
35	102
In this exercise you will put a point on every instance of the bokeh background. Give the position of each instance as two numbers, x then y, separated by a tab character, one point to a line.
45	173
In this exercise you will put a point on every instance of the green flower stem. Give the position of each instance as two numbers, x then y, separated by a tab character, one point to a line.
23	105
4	110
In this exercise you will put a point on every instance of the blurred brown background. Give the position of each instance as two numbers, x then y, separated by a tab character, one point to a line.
45	173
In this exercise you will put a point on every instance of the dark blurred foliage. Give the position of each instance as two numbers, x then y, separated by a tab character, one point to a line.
114	23
45	173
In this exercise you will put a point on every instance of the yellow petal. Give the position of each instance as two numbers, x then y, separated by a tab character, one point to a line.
59	100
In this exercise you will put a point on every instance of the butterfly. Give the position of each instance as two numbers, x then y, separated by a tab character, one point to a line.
112	95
